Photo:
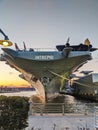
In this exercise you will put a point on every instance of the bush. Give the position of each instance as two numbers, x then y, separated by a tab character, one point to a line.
13	113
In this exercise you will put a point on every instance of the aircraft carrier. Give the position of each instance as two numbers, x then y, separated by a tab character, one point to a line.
47	71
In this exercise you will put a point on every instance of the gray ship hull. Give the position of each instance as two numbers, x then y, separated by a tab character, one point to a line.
38	72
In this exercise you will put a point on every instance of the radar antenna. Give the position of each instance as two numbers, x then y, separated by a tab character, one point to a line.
67	43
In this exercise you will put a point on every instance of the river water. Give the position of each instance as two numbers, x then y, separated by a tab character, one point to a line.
71	103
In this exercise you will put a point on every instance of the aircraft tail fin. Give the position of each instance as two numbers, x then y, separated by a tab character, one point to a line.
67	42
16	46
24	46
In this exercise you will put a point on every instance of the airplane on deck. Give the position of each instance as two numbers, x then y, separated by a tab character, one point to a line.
47	71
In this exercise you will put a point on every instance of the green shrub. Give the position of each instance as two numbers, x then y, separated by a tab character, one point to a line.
13	113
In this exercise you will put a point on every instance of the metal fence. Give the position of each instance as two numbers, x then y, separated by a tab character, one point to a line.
62	109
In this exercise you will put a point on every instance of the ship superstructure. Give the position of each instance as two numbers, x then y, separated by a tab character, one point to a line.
84	86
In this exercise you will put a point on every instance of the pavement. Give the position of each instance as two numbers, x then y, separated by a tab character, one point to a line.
59	122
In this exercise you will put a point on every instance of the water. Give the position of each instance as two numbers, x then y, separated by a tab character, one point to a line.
71	103
22	93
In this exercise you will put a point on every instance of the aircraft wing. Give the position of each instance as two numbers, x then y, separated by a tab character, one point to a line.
22	76
86	72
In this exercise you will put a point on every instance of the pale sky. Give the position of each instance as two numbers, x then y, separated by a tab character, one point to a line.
46	23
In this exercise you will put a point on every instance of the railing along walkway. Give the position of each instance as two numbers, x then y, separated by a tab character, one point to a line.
62	109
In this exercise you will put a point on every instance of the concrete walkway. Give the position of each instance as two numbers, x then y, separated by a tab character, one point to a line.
57	122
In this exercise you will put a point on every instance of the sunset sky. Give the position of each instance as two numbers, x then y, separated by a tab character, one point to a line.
46	23
9	77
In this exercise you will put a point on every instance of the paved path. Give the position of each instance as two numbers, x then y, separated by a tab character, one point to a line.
71	122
